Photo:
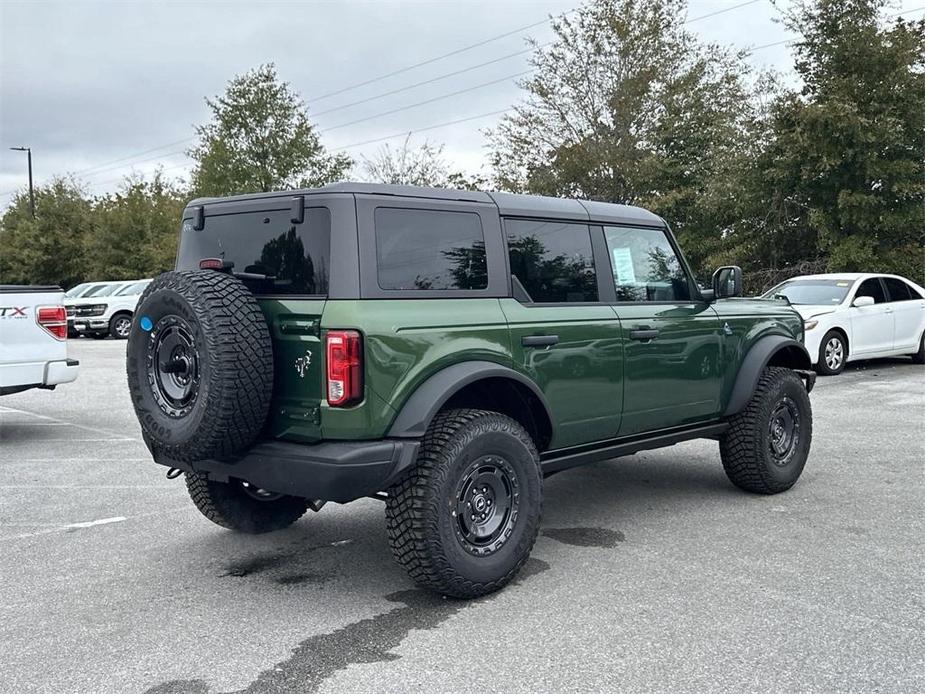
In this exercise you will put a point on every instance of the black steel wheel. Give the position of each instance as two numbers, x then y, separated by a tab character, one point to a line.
767	444
784	431
173	366
487	503
464	519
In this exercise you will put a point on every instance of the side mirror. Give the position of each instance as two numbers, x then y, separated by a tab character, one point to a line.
727	281
863	301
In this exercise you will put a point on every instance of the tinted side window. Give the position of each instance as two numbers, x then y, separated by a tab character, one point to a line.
872	288
270	253
552	260
429	249
897	289
645	266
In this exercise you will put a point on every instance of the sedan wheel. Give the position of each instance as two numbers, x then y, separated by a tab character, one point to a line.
833	353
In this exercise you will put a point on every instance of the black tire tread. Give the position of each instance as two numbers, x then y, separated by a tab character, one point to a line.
241	356
412	508
742	458
232	508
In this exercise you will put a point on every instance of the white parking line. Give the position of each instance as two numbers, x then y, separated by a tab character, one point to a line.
105	521
112	436
87	486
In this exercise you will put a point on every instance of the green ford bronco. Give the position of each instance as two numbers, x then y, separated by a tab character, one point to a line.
444	351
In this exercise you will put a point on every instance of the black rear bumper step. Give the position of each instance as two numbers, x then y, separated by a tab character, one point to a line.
333	470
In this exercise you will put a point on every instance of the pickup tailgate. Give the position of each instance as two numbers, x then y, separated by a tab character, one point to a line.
29	353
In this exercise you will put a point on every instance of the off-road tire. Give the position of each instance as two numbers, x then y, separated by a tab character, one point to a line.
228	504
746	447
116	326
422	525
919	357
822	367
234	364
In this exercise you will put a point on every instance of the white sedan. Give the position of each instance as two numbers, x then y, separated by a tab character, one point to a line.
850	316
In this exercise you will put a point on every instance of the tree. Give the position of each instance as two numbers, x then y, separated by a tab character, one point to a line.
627	106
136	229
49	249
260	139
848	151
406	165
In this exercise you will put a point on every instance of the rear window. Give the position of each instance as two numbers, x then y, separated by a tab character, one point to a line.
898	290
553	261
270	253
429	249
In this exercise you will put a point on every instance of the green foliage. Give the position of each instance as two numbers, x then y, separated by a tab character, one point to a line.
627	106
843	173
260	139
49	249
136	230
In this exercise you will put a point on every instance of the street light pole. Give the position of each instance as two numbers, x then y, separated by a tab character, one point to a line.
28	151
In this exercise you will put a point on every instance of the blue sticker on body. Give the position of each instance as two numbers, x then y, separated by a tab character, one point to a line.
146	324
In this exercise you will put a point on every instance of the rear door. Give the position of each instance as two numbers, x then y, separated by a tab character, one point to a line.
286	264
908	308
563	335
672	339
871	326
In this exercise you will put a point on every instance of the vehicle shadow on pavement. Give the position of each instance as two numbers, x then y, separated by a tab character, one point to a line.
343	558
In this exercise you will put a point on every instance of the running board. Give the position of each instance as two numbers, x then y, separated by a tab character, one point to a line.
565	458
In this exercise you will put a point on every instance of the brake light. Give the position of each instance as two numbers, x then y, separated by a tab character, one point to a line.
53	319
344	367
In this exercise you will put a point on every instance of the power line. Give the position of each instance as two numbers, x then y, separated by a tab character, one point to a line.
106	166
793	40
421	130
722	11
429	81
432	60
426	101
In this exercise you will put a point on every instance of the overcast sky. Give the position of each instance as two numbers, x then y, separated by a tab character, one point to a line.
91	86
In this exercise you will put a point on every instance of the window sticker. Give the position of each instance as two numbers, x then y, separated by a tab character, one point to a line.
623	266
842	284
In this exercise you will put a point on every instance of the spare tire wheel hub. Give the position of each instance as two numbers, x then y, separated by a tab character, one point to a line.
173	366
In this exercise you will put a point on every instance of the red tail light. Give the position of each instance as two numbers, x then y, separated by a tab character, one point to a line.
53	319
344	367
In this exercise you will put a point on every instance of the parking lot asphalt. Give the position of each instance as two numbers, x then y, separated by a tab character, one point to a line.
651	573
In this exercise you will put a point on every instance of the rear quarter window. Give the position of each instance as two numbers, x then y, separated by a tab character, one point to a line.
267	251
429	250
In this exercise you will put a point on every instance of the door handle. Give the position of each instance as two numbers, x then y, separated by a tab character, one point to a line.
539	340
644	334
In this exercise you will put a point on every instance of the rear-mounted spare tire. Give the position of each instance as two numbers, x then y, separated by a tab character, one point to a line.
200	366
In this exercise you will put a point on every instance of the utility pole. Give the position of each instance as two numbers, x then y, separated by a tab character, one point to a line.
28	151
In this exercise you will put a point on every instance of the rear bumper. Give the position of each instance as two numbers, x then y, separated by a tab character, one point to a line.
84	325
15	378
332	471
58	372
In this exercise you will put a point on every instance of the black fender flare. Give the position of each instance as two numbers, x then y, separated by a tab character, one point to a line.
419	409
755	361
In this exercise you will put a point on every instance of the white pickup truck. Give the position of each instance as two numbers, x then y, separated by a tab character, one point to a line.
33	339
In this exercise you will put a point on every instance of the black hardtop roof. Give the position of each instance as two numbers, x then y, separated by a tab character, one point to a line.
509	204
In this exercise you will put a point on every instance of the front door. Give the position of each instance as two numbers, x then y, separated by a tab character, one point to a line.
871	326
672	339
908	313
562	335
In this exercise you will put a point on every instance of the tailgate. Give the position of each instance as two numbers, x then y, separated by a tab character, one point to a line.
25	346
298	382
